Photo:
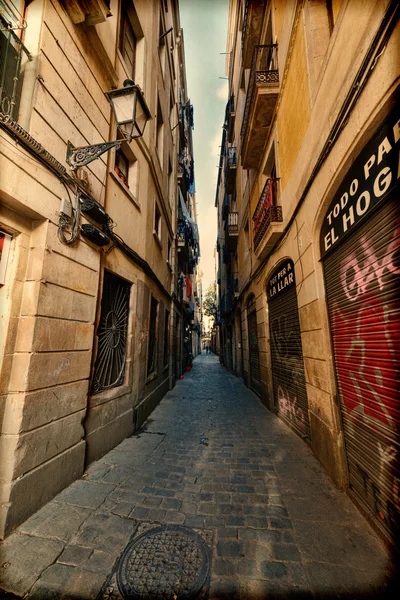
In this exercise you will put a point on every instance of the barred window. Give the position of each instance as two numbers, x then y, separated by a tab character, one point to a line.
112	334
151	358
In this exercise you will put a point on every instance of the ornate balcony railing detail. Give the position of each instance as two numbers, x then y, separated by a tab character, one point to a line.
264	71
266	212
11	52
233	222
232	157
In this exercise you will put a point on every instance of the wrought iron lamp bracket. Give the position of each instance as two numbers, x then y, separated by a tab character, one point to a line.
82	156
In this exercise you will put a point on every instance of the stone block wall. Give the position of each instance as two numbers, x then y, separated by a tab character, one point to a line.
45	370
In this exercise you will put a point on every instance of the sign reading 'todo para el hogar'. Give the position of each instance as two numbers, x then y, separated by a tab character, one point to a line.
372	176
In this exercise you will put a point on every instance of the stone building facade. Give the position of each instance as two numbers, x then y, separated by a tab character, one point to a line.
91	336
309	231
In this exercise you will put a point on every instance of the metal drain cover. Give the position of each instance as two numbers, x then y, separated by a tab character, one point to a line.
170	562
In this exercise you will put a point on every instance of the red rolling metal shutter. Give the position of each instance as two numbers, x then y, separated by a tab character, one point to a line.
254	356
363	282
290	395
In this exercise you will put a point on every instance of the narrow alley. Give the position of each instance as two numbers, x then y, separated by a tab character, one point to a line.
217	466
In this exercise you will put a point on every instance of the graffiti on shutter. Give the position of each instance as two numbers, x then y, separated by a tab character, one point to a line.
290	396
363	279
360	246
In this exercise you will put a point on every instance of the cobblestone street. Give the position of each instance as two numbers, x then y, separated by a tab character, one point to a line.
211	458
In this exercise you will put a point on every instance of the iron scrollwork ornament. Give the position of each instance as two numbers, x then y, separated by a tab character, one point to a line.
79	157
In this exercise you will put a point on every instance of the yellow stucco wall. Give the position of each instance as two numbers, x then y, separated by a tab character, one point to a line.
294	113
279	13
336	4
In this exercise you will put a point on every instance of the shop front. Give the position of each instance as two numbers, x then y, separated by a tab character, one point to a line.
289	384
360	248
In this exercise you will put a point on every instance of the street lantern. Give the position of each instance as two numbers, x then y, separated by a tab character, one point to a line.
130	109
131	114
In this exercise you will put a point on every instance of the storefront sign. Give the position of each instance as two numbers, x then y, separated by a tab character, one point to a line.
281	279
371	178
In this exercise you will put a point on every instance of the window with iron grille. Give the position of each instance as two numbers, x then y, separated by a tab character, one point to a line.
151	358
166	338
12	55
112	334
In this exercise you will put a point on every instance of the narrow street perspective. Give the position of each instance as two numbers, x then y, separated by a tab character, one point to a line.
199	299
210	458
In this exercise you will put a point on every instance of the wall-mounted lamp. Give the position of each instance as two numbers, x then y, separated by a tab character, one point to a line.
131	114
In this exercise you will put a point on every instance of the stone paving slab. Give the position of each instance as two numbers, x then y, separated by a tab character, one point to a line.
212	458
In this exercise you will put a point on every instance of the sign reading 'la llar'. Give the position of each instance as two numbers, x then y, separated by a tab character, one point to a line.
281	279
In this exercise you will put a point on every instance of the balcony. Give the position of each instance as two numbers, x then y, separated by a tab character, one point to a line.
253	18
265	233
225	206
92	13
11	56
262	94
231	166
230	118
231	231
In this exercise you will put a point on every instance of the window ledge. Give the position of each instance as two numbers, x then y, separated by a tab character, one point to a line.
169	265
156	237
125	189
111	394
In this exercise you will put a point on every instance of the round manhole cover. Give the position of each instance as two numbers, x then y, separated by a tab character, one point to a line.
168	563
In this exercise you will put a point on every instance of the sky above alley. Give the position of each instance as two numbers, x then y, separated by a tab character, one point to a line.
204	24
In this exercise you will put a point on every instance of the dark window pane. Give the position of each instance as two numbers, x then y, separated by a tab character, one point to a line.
127	44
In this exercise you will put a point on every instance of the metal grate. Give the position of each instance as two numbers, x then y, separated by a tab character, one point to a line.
164	563
112	334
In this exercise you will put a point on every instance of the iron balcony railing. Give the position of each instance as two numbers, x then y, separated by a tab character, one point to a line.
264	71
232	222
232	156
245	22
266	211
11	51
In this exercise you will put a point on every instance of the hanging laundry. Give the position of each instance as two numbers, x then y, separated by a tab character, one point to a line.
188	287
